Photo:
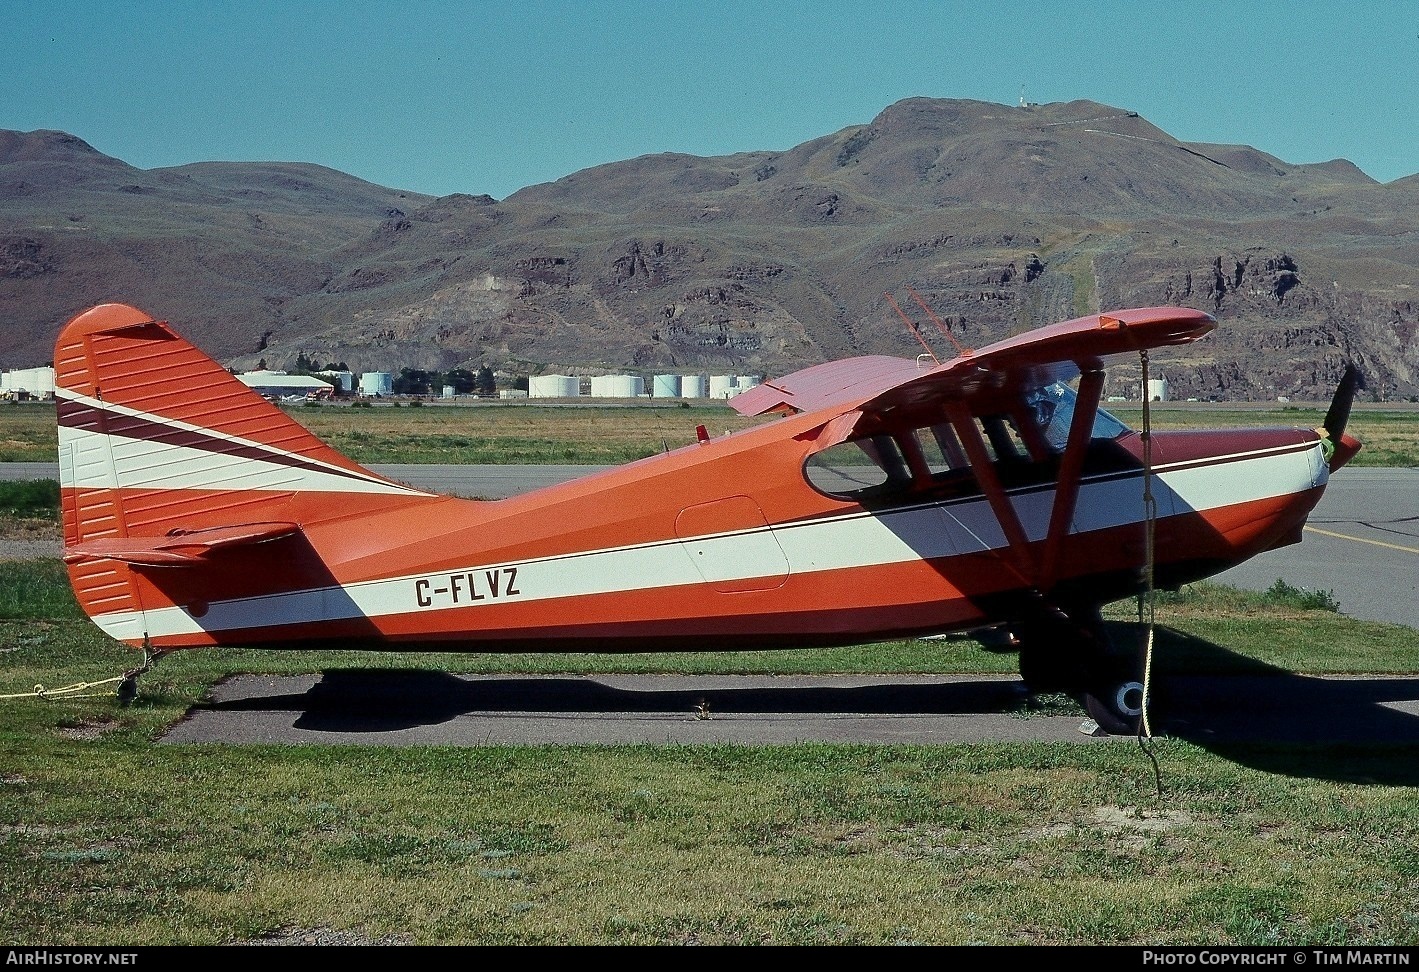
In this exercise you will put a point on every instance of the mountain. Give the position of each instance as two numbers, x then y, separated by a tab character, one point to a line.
1002	218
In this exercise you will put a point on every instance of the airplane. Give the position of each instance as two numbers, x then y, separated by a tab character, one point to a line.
890	498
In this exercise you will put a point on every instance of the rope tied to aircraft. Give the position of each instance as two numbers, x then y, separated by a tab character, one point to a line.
1147	601
127	683
66	692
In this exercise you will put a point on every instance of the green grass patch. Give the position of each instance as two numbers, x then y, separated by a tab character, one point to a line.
29	498
604	435
36	588
108	838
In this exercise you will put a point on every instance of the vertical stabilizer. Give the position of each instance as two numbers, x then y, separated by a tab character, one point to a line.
156	439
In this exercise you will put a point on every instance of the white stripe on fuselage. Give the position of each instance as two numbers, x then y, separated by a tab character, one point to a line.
854	540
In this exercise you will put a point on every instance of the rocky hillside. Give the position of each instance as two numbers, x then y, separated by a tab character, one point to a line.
1001	218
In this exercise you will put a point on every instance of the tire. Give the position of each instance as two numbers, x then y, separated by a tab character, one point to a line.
1117	707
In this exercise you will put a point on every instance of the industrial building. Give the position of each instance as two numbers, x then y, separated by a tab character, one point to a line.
617	386
344	381
634	386
278	384
376	383
28	383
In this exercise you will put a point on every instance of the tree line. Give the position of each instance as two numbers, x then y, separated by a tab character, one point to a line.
416	381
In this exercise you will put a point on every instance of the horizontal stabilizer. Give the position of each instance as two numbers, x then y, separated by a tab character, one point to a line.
179	547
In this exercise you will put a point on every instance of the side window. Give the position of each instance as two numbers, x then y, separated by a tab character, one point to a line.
1002	440
941	451
859	469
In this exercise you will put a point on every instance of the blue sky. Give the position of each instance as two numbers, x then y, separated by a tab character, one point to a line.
441	97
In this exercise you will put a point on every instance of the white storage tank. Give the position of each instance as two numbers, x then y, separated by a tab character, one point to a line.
342	380
722	386
617	386
376	383
1157	389
5	382
745	382
553	386
692	386
665	386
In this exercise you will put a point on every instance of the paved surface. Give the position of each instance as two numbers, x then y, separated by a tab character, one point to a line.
1361	542
419	708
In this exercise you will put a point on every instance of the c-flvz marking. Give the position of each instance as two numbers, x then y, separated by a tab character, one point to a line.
468	587
892	499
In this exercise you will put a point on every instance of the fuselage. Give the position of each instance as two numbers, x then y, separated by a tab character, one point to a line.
727	545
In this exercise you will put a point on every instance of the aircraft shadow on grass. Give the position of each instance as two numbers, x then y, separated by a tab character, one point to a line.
1362	729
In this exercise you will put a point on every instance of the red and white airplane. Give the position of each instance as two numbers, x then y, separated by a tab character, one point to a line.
892	499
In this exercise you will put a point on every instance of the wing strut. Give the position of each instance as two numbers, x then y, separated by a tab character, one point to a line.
984	468
1071	468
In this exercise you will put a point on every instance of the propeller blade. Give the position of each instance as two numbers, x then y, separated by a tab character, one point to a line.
1339	413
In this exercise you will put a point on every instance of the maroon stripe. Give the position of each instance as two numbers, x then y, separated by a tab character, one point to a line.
79	415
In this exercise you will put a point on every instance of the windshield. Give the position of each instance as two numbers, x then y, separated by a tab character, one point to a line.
1053	409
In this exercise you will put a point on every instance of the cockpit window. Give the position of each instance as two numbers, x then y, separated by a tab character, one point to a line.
1052	407
940	450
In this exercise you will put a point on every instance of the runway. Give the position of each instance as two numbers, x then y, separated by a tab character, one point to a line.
1362	542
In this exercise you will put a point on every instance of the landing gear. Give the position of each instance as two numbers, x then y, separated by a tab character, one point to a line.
1047	665
1116	707
128	686
1069	651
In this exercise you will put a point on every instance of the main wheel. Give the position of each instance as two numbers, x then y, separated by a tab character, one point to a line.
1117	707
1057	650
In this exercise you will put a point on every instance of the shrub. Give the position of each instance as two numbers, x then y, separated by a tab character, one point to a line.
1301	598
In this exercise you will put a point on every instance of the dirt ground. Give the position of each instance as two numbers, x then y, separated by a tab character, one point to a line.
26	539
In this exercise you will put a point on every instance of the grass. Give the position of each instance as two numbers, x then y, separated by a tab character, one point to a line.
107	838
609	435
26	499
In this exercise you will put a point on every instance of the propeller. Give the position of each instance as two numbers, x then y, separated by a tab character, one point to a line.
1339	412
1339	447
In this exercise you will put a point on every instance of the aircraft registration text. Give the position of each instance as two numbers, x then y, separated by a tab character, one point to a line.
468	587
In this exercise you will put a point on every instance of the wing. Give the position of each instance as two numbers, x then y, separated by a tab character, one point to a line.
1053	353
